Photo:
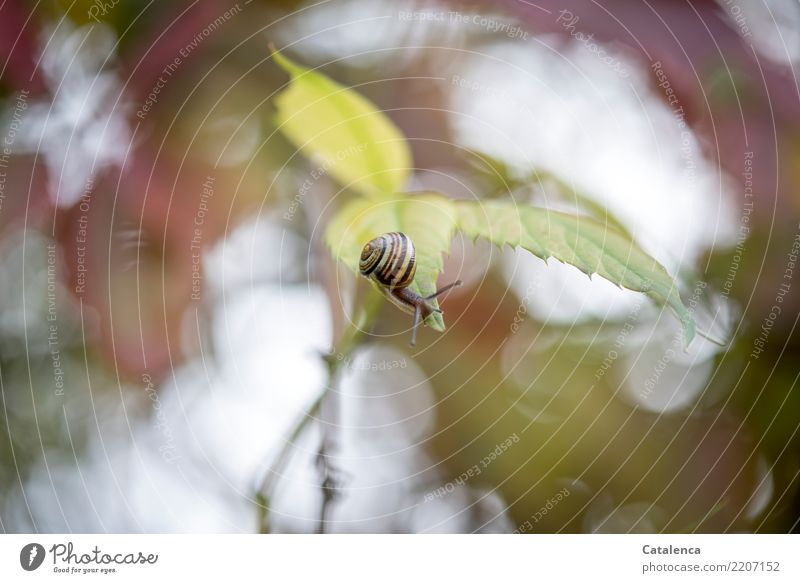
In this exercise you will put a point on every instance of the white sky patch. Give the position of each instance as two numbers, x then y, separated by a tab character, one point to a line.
230	140
772	26
375	29
238	260
82	128
764	489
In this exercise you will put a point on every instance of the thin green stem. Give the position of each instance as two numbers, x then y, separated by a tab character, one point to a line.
351	339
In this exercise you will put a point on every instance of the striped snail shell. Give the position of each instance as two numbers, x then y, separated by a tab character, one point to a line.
389	260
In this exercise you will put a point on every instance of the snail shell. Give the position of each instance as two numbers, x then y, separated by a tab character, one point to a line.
389	260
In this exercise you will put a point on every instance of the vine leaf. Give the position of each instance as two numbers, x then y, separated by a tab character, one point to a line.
342	131
580	241
428	219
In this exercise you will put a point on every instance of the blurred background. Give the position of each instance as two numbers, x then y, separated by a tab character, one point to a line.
165	297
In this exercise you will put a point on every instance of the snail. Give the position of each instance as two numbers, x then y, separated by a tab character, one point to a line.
390	261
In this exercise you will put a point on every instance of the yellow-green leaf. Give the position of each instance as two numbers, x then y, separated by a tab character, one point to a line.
580	241
343	132
428	219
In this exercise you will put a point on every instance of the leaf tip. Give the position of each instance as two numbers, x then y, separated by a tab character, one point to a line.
284	62
435	322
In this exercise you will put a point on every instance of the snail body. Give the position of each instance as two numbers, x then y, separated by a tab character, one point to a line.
390	262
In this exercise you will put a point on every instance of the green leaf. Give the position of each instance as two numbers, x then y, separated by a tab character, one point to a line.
342	131
580	241
428	219
570	194
502	181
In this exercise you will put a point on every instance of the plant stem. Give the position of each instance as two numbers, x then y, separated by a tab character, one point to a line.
269	483
323	409
330	480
